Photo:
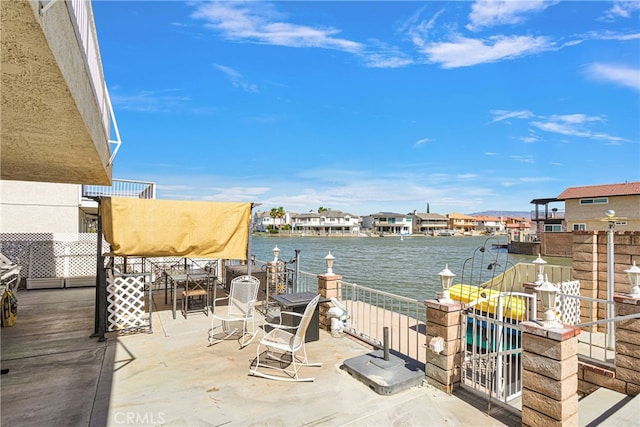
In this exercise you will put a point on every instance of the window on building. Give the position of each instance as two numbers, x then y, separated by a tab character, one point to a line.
595	201
552	228
579	227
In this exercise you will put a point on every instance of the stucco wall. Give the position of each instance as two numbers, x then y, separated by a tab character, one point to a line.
35	207
625	207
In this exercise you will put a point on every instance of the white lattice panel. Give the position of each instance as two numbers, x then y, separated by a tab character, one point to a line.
46	259
81	259
78	250
126	302
568	307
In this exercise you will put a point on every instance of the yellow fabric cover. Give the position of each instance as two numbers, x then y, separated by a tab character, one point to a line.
157	228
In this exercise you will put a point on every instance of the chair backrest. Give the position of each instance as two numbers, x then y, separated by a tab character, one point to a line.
5	262
298	339
243	295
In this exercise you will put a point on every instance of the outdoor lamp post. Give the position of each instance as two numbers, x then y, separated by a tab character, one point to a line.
276	252
539	263
446	279
329	260
611	220
547	293
634	279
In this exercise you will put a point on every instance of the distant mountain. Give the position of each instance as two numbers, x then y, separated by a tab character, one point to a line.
516	214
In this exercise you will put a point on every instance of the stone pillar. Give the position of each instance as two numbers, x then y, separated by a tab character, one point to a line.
628	343
444	334
328	286
549	375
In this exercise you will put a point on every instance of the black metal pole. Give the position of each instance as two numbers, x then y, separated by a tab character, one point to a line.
101	285
96	319
385	339
100	315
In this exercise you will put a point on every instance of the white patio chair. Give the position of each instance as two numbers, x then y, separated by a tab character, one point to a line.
238	314
285	350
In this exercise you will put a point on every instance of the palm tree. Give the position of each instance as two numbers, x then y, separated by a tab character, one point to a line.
322	209
277	213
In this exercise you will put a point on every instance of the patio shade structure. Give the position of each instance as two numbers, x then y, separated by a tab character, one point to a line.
165	228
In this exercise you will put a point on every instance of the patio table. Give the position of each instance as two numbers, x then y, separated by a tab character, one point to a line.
181	276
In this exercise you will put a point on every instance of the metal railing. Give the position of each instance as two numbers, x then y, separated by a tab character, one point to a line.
492	344
526	272
371	311
85	29
121	188
596	341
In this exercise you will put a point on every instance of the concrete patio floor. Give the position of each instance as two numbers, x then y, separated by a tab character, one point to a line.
60	376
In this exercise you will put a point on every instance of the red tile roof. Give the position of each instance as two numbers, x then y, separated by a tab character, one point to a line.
626	189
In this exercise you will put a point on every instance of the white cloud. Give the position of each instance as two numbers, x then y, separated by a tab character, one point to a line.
488	13
150	101
501	115
622	9
523	159
576	125
619	75
260	22
422	142
464	52
237	79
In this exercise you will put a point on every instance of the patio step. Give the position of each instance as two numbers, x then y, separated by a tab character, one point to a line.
608	407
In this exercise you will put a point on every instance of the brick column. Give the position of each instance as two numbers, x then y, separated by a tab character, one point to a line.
628	343
328	286
549	375
443	329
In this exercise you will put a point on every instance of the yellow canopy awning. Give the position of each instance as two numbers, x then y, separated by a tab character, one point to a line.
157	228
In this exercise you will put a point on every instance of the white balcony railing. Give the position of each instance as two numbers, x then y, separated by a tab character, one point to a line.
85	29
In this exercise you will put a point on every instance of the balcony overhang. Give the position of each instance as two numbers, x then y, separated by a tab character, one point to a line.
51	127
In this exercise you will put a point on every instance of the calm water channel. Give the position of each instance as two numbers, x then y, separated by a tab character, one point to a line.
407	266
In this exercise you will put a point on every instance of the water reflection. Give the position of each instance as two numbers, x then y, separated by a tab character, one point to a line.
407	266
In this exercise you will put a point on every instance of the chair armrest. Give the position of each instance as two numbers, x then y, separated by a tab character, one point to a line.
279	326
220	299
291	313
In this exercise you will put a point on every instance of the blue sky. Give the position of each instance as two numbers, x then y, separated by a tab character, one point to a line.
374	106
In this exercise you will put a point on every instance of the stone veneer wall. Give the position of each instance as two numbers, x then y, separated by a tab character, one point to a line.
590	268
590	264
556	244
625	377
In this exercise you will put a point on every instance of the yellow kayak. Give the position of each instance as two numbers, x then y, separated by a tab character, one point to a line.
514	307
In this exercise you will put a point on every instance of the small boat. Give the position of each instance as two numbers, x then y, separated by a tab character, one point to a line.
446	233
486	300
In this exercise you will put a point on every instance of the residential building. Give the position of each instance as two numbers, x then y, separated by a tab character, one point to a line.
461	223
490	224
548	220
326	222
428	223
390	223
43	207
263	221
57	118
586	207
56	113
518	229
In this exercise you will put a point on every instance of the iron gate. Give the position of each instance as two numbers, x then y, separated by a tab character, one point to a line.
492	344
